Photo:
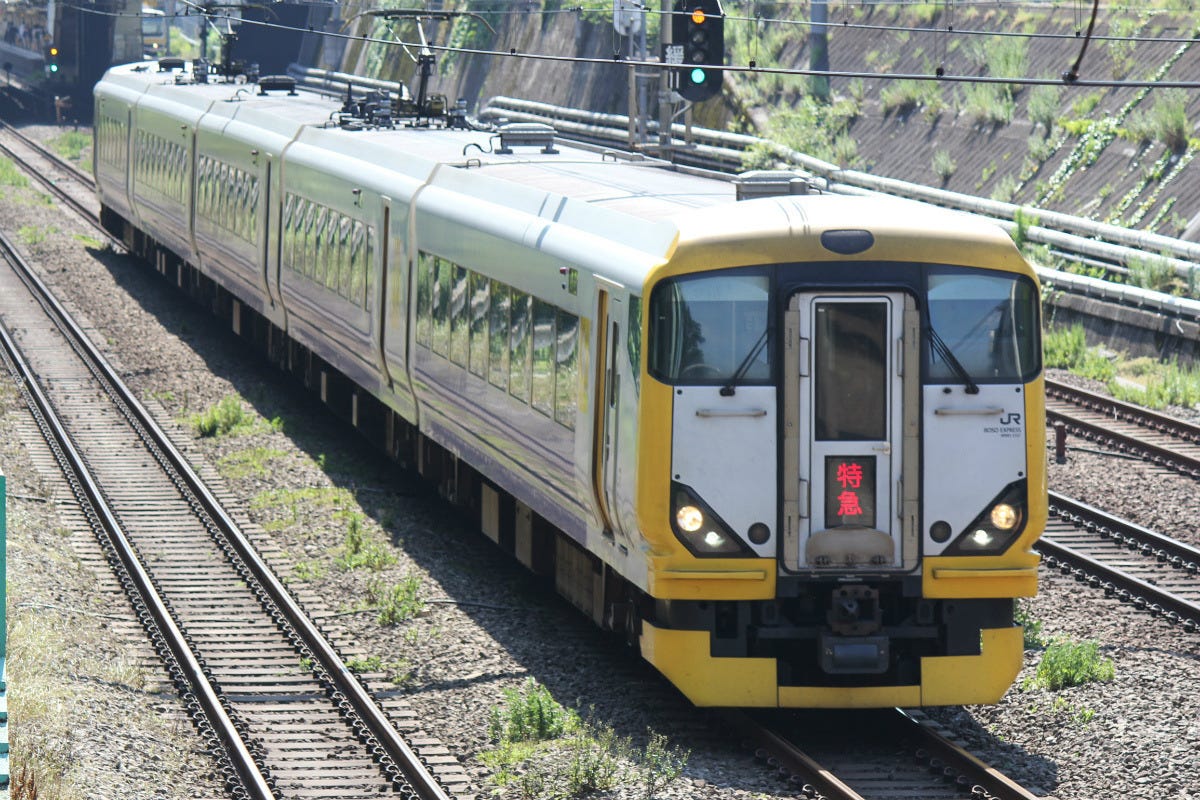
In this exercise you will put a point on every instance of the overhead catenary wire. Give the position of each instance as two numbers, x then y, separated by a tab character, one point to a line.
939	75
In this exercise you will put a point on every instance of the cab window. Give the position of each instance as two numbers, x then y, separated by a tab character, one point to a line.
989	322
711	329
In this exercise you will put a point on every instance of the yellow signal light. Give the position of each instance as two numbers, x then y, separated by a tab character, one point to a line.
53	51
698	16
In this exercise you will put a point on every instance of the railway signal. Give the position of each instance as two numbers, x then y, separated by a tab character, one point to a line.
699	27
52	59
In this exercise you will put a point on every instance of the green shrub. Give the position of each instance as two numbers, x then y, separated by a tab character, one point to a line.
399	602
1031	628
1166	122
531	714
1066	348
1043	105
70	145
1065	663
1155	274
359	550
943	165
10	175
227	416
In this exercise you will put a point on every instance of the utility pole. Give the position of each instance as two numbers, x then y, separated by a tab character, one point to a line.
818	48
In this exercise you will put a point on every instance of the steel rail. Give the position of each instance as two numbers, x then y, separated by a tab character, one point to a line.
201	688
1119	409
1179	554
399	760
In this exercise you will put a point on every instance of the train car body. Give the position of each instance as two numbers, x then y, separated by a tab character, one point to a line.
791	446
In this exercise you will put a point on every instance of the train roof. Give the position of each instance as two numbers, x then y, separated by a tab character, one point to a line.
645	202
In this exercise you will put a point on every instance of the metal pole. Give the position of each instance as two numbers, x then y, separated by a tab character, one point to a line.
819	50
664	85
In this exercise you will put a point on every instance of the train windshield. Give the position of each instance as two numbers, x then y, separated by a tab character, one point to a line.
712	328
988	322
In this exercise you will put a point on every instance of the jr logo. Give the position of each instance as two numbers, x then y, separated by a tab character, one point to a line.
1010	419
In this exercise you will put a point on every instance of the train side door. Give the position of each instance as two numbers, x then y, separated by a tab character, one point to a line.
606	439
847	430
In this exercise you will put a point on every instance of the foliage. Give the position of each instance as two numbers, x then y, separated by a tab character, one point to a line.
530	714
227	416
70	144
987	103
943	165
1006	189
34	234
903	96
1066	348
361	550
1066	663
1167	385
397	603
809	127
1031	628
1148	272
1024	219
1166	121
247	463
10	175
1043	105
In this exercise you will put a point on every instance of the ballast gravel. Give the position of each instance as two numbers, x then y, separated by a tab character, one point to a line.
487	627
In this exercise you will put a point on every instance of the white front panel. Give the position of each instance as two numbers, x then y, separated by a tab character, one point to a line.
724	449
974	447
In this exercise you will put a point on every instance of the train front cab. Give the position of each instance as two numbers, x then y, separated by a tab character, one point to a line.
874	560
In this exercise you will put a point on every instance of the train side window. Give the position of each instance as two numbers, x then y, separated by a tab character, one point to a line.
566	369
542	356
518	367
331	250
359	265
424	298
252	215
477	356
345	284
458	317
318	245
500	317
369	257
444	277
305	240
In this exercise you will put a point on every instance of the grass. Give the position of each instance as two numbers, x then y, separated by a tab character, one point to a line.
1067	663
546	751
10	175
70	145
396	603
249	463
360	550
226	417
1031	628
35	234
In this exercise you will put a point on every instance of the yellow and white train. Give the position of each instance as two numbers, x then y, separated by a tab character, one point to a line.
791	446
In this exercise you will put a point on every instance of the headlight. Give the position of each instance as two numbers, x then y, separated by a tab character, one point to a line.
994	530
702	532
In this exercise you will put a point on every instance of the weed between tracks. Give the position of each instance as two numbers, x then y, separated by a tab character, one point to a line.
544	750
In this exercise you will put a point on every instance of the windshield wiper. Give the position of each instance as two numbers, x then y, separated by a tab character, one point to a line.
944	352
729	389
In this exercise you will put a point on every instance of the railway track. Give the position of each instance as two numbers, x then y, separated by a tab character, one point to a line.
1125	427
1132	563
272	697
886	754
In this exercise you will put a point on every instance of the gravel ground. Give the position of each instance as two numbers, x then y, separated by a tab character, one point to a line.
487	626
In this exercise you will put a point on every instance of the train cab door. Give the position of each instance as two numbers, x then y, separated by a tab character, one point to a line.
850	420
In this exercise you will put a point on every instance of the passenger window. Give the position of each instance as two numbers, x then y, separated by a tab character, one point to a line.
566	369
458	317
478	313
345	284
542	357
308	243
424	298
441	307
518	368
498	337
331	251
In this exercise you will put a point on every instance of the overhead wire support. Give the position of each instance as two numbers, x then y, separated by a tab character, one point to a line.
1072	75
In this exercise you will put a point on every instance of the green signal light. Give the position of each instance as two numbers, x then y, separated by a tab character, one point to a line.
54	67
697	75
